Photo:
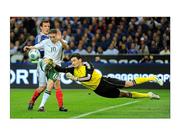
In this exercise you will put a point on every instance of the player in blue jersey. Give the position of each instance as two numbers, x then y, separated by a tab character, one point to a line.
45	27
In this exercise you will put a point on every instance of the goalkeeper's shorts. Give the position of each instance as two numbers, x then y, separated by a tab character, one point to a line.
109	87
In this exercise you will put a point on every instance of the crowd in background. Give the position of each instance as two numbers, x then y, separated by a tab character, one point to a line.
96	35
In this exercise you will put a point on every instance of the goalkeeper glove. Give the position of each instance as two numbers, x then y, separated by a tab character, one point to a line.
72	77
48	61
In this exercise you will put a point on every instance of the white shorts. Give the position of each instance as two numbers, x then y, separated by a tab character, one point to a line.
42	79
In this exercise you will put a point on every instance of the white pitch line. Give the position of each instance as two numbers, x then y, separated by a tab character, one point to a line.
105	109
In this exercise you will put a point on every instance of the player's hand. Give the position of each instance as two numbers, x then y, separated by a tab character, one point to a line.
58	36
70	76
26	48
48	61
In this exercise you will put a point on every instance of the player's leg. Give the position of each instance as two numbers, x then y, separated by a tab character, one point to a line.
40	89
35	95
113	84
120	84
140	80
47	93
113	92
138	95
106	88
52	76
59	96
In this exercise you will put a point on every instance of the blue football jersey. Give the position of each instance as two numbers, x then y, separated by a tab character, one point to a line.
40	37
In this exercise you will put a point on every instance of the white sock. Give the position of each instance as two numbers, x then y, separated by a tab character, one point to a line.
44	99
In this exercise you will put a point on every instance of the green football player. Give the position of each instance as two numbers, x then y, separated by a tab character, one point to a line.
52	76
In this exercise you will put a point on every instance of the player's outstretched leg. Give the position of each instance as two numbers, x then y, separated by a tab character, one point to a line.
138	95
159	81
140	80
153	78
153	96
36	94
145	95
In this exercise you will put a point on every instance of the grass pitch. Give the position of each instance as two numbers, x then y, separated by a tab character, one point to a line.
80	104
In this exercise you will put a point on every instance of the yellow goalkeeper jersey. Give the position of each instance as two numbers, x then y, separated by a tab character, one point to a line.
88	76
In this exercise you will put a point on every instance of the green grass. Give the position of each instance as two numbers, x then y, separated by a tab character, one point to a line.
80	102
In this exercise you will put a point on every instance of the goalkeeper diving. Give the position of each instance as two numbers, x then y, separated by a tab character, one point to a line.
85	73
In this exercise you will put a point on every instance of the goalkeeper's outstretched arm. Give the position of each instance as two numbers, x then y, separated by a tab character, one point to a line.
65	70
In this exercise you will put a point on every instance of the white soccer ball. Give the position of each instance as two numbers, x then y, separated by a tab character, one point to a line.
34	54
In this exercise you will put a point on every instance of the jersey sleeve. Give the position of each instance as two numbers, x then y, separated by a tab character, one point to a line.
40	38
41	44
65	70
89	71
37	39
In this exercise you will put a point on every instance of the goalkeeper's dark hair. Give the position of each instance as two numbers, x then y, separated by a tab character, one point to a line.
77	55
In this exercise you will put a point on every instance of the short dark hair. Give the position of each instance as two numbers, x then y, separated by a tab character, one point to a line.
77	55
52	31
43	21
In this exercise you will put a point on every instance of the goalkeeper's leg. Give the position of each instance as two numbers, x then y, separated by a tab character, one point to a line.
138	95
140	80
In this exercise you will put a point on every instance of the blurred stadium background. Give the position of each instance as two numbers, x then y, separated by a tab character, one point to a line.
120	47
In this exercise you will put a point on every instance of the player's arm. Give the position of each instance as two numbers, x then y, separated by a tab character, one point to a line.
64	44
65	70
89	71
59	38
26	48
59	68
37	39
69	72
37	46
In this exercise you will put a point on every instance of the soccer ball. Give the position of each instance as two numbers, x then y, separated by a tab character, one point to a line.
34	54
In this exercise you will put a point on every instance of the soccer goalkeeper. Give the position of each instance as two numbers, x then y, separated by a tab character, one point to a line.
85	73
